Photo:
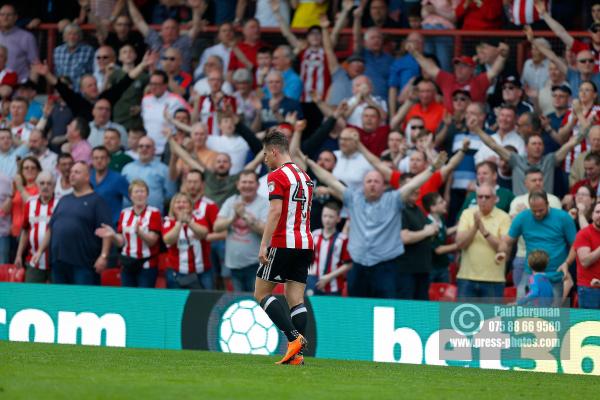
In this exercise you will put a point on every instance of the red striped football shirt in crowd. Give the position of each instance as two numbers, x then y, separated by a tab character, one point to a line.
208	111
339	257
207	210
523	12
150	221
36	223
314	72
581	147
186	256
293	186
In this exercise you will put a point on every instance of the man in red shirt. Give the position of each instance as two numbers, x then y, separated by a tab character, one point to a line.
463	77
373	135
427	108
243	54
591	165
478	15
587	246
286	249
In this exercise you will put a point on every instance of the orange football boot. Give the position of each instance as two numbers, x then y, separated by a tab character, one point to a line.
294	348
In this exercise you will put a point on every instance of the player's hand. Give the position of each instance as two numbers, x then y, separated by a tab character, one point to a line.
262	255
500	257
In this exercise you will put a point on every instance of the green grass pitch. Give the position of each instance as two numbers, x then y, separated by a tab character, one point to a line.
41	371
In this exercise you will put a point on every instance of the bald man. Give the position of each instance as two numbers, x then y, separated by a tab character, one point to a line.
77	255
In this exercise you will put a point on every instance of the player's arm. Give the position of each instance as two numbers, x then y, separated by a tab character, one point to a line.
420	179
325	177
275	209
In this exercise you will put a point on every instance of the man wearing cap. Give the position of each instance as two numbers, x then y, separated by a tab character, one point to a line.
545	97
463	74
561	98
512	95
570	42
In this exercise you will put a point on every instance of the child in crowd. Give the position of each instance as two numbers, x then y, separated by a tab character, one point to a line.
436	208
540	289
332	260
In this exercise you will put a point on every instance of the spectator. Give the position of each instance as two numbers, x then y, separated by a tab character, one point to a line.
77	145
363	96
73	59
77	255
118	157
487	173
282	62
535	70
126	110
505	136
379	16
151	171
373	134
230	143
225	41
55	118
265	15
403	70
122	35
101	123
327	273
543	228
561	98
341	78
153	106
17	124
8	77
426	106
439	15
214	103
415	265
351	166
535	157
529	124
244	53
202	87
588	269
25	186
6	188
198	136
477	16
512	95
307	12
591	166
437	208
28	91
38	148
577	172
169	35
582	206
179	80
534	182
138	235
246	99
104	65
463	74
20	44
38	211
243	216
377	61
547	101
133	138
376	222
63	166
189	265
108	184
9	155
480	231
275	108
540	288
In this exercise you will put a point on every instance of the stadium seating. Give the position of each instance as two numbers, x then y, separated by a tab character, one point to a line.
439	291
10	273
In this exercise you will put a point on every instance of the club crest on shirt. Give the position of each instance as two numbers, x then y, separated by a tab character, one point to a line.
271	187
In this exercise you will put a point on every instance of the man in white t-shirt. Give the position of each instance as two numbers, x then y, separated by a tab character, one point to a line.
505	136
351	166
230	143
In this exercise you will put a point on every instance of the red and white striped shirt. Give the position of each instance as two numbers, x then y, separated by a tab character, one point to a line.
207	210
338	249
186	256
523	12
314	72
208	111
293	186
581	147
149	220
36	223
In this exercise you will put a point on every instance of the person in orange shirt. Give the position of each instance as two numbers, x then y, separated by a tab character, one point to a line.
426	107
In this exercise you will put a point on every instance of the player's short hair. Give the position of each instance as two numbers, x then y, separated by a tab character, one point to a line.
332	205
538	260
430	199
276	138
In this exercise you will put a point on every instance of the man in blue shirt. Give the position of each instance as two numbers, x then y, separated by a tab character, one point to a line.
403	70
275	108
543	228
282	62
73	58
377	62
153	172
374	242
109	185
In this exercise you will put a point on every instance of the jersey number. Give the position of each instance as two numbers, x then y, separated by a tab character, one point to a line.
300	197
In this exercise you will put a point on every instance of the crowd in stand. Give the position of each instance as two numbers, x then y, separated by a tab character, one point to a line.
146	153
